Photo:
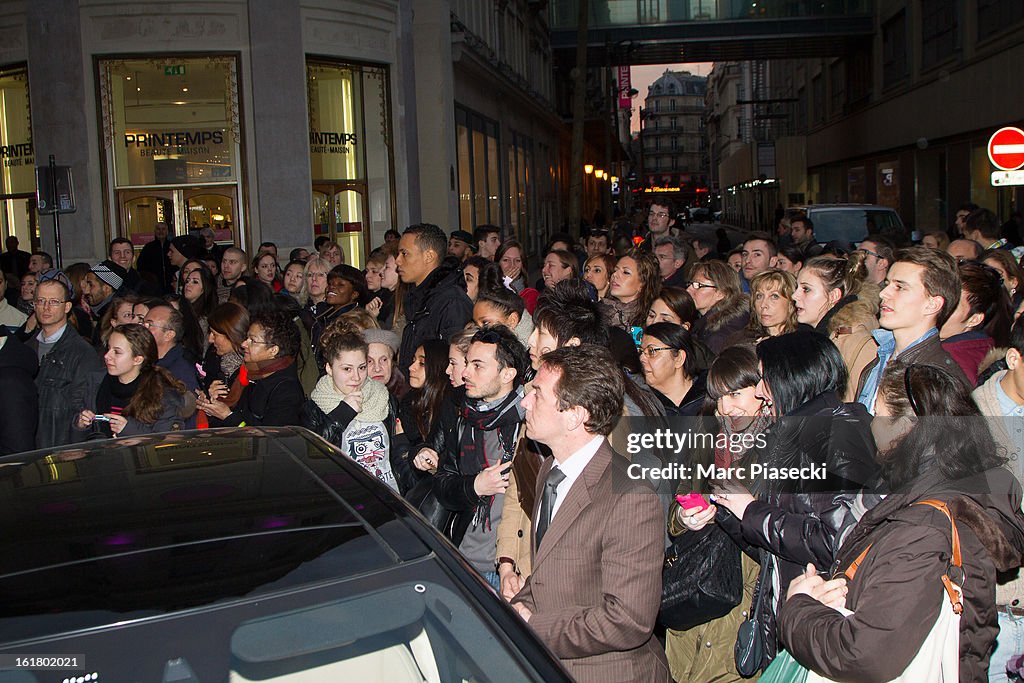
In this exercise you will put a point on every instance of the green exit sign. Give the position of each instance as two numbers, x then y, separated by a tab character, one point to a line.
176	70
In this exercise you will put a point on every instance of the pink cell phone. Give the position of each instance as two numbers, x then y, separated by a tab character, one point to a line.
692	501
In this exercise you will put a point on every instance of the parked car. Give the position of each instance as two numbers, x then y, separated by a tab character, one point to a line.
243	555
701	213
847	225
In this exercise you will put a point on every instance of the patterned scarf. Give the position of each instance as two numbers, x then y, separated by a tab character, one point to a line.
477	419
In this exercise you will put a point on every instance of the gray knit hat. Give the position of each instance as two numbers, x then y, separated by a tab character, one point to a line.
386	337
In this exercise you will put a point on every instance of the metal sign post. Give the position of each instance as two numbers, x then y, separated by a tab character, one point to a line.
52	169
55	195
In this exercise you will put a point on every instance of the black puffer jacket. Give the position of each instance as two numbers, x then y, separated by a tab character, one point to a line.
436	309
803	521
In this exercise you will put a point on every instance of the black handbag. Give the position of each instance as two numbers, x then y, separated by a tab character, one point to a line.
702	578
750	650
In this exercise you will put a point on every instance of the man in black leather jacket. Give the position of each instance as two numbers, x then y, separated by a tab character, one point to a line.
436	305
474	456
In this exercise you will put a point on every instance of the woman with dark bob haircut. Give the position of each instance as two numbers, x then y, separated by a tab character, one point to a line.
273	396
671	368
741	420
892	563
795	522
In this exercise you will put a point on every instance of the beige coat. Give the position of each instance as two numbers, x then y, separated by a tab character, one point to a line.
850	330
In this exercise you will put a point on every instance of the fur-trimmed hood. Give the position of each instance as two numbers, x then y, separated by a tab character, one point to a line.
855	316
853	313
725	313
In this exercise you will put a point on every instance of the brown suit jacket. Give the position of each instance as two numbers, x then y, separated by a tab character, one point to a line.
596	583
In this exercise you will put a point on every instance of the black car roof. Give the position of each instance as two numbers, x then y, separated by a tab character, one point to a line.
164	522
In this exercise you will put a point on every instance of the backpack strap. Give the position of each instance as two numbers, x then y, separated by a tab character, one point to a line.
851	571
955	561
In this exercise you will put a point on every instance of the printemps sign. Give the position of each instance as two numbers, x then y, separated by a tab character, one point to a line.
177	155
329	142
17	155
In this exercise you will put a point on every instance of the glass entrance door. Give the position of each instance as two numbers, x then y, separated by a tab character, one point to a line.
184	210
18	217
339	212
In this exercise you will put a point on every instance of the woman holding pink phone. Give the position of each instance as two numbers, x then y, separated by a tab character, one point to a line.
705	652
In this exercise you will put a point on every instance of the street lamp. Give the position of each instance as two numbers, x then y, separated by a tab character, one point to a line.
588	169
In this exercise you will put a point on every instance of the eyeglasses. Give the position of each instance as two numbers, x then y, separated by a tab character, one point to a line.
870	253
658	214
149	324
701	285
652	351
49	303
316	276
251	340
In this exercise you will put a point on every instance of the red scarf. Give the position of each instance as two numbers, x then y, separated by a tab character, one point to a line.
265	368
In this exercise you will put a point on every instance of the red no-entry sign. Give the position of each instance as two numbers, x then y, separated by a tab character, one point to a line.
1006	148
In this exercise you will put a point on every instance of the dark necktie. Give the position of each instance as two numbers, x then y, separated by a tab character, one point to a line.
547	502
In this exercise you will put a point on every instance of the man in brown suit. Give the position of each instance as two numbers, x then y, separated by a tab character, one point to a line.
598	536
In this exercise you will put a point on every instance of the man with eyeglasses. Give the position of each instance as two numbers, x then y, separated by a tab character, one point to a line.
65	358
878	256
660	219
167	326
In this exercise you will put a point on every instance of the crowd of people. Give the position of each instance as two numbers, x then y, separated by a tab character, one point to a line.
488	395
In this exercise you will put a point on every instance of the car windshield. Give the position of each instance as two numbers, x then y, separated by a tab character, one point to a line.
409	625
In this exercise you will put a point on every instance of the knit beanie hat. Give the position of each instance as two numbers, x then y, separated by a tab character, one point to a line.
386	337
110	273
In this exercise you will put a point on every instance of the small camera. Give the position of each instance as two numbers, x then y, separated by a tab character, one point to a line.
100	418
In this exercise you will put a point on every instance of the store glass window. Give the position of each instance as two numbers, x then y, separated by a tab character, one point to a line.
476	139
350	153
172	143
522	194
17	160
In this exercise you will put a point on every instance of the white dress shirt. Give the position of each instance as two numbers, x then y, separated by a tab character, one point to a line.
572	468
